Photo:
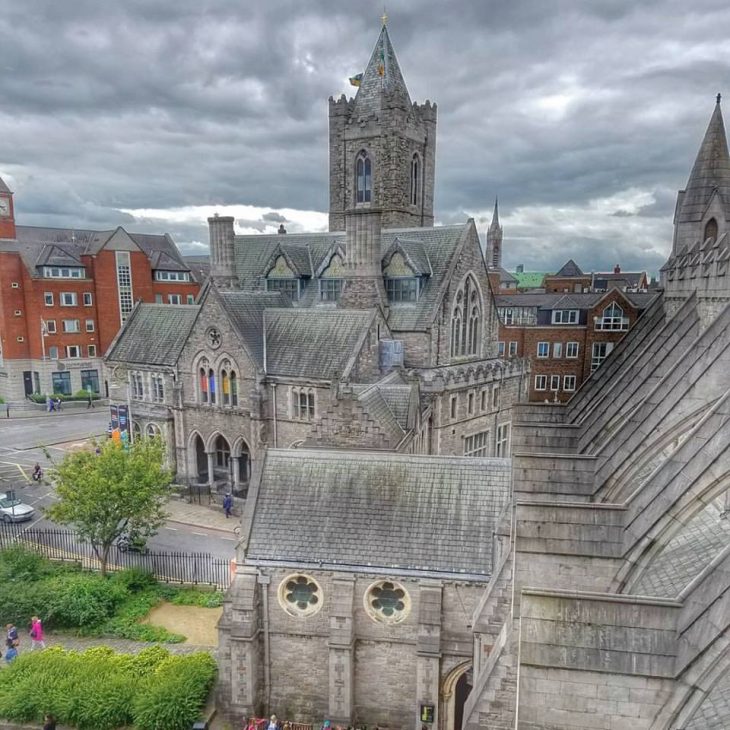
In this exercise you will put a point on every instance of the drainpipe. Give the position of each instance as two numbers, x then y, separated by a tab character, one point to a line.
273	395
264	581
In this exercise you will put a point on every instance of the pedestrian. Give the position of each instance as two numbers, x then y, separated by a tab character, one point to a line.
36	634
12	635
227	504
10	652
58	404
273	723
49	722
90	404
51	405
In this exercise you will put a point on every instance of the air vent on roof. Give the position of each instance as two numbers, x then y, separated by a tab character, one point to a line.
391	354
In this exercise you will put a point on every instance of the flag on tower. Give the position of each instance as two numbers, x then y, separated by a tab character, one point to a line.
356	80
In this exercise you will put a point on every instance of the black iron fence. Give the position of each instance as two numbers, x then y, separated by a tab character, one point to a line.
169	567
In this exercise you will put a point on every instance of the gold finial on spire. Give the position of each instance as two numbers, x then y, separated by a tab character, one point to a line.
384	17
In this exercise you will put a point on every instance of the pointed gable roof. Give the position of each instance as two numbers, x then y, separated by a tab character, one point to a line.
710	172
3	187
382	76
569	268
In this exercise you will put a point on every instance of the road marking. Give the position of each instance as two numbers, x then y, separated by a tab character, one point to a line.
174	529
230	539
32	524
202	534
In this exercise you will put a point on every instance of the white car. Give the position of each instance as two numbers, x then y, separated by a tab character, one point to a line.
13	510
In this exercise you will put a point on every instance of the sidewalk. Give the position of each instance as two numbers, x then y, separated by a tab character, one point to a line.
198	515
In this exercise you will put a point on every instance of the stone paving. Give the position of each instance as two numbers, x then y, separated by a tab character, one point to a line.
199	515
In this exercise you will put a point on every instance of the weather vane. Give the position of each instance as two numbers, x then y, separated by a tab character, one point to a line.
384	17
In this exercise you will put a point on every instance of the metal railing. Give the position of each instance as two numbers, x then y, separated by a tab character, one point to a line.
169	567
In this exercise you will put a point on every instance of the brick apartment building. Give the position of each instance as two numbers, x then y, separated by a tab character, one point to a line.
65	293
570	278
566	336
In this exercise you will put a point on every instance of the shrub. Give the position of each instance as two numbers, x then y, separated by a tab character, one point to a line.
85	599
196	597
134	579
20	564
172	697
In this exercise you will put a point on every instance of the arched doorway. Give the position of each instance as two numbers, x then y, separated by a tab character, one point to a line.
454	692
222	459
201	460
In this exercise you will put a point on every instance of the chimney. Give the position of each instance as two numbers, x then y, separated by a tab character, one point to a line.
282	230
617	269
520	269
364	277
222	264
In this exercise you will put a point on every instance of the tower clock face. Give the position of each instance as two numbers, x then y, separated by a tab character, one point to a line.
4	207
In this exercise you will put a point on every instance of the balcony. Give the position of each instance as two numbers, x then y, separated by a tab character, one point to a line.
611	324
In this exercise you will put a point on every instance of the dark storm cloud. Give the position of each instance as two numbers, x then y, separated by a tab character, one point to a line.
583	117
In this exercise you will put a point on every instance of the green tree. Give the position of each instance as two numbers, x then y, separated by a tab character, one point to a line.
118	489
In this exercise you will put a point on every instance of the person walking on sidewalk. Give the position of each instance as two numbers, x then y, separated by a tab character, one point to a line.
36	634
10	651
58	404
49	722
227	504
12	635
90	402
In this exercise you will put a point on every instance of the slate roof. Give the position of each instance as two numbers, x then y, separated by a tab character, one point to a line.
253	253
246	310
381	76
714	711
625	278
33	241
154	334
306	342
3	187
199	267
711	171
686	554
391	511
559	300
569	269
505	277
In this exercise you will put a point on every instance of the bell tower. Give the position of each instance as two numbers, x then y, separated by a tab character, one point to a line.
7	213
382	147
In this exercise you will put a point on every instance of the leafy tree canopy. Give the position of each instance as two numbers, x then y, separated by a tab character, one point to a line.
115	490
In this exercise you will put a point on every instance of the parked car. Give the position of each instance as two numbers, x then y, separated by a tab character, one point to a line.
13	510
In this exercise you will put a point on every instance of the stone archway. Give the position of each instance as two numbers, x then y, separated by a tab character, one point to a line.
199	471
454	691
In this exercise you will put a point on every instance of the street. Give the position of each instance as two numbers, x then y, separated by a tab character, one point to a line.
23	442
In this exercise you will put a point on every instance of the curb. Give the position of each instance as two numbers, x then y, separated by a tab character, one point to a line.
230	533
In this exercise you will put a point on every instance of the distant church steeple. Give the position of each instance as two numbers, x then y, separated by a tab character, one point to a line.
703	207
7	213
494	240
382	147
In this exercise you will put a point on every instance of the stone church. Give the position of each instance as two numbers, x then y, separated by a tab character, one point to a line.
347	384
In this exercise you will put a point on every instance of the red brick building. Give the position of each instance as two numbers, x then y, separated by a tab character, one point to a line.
65	293
566	336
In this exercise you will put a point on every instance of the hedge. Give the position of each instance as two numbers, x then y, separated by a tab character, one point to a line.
99	689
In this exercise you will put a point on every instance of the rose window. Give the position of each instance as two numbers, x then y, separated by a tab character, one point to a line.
300	595
387	601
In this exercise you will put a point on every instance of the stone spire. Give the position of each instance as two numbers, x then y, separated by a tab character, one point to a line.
494	240
382	78
710	174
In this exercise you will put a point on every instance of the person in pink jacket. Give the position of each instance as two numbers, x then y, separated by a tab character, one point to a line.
36	634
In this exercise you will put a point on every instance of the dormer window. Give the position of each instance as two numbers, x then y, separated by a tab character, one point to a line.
363	178
711	229
64	272
402	288
283	279
172	276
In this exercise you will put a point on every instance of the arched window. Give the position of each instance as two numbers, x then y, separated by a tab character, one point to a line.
234	388
211	385
612	318
225	386
415	179
203	387
152	430
466	319
710	230
222	453
363	178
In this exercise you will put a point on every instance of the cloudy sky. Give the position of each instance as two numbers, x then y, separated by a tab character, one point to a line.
584	116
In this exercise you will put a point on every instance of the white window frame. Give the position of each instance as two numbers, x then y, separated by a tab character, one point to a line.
48	298
51	327
503	439
500	349
541	382
91	350
71	326
477	444
597	359
512	348
73	296
554	383
90	325
540	345
172	276
557	350
569	347
73	349
174	299
190	298
53	352
88	299
569	382
565	316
